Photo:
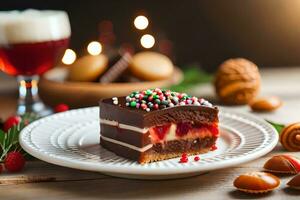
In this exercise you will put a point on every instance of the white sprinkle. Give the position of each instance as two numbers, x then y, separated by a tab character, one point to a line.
182	103
196	103
189	101
115	102
148	109
114	98
127	104
171	104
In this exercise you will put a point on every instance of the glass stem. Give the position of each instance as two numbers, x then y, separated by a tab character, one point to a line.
29	100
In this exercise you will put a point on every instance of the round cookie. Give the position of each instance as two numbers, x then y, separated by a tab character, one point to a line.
88	68
151	66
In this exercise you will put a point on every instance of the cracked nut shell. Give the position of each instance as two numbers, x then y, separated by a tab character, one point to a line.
256	182
265	104
237	81
284	164
295	182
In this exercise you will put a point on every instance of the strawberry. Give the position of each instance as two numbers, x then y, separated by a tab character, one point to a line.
10	122
61	108
14	161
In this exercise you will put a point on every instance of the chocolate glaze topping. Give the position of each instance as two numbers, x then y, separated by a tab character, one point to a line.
116	110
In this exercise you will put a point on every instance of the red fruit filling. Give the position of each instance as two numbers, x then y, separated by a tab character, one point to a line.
214	130
213	148
183	128
162	130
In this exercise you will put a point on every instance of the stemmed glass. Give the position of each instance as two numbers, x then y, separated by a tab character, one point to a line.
32	42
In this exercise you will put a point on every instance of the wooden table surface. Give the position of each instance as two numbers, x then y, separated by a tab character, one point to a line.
47	181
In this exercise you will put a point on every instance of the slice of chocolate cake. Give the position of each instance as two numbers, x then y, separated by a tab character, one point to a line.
157	124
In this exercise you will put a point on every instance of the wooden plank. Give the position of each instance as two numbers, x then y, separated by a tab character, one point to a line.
213	185
38	171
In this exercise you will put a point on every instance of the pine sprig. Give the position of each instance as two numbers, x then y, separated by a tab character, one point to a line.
9	141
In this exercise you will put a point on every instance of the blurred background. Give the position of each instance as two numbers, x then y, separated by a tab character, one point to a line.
196	35
205	32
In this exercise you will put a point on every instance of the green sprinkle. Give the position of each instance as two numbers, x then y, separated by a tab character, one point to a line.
157	101
155	96
164	102
133	104
148	92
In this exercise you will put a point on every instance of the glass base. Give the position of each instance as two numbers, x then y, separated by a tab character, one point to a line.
38	108
29	101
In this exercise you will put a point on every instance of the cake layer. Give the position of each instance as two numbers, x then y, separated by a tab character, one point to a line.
161	151
140	118
124	135
156	134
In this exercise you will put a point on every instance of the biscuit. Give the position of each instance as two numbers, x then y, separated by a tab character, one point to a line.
151	66
88	68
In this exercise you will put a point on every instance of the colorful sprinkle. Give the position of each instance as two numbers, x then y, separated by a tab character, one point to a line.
196	158
115	100
133	104
183	159
153	99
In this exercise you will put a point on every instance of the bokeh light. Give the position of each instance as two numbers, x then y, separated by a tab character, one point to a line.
147	41
69	57
141	22
94	48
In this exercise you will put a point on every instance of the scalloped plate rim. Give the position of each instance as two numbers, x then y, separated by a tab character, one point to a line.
111	169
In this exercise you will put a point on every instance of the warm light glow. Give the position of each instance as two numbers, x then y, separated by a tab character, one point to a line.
141	22
94	48
147	41
69	57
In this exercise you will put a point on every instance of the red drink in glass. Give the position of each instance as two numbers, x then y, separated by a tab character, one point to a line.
31	58
32	42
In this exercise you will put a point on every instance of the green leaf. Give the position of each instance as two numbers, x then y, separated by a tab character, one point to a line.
192	76
277	126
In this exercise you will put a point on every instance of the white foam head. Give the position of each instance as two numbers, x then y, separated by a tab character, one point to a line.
33	26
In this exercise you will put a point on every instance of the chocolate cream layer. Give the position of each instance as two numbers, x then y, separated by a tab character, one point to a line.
142	119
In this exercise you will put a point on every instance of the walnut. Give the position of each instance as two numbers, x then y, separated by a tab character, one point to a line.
237	81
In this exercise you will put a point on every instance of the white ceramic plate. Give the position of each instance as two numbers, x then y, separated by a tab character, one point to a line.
71	139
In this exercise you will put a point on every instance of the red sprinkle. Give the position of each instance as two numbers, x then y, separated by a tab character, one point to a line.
196	158
143	106
61	108
183	160
213	148
150	98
